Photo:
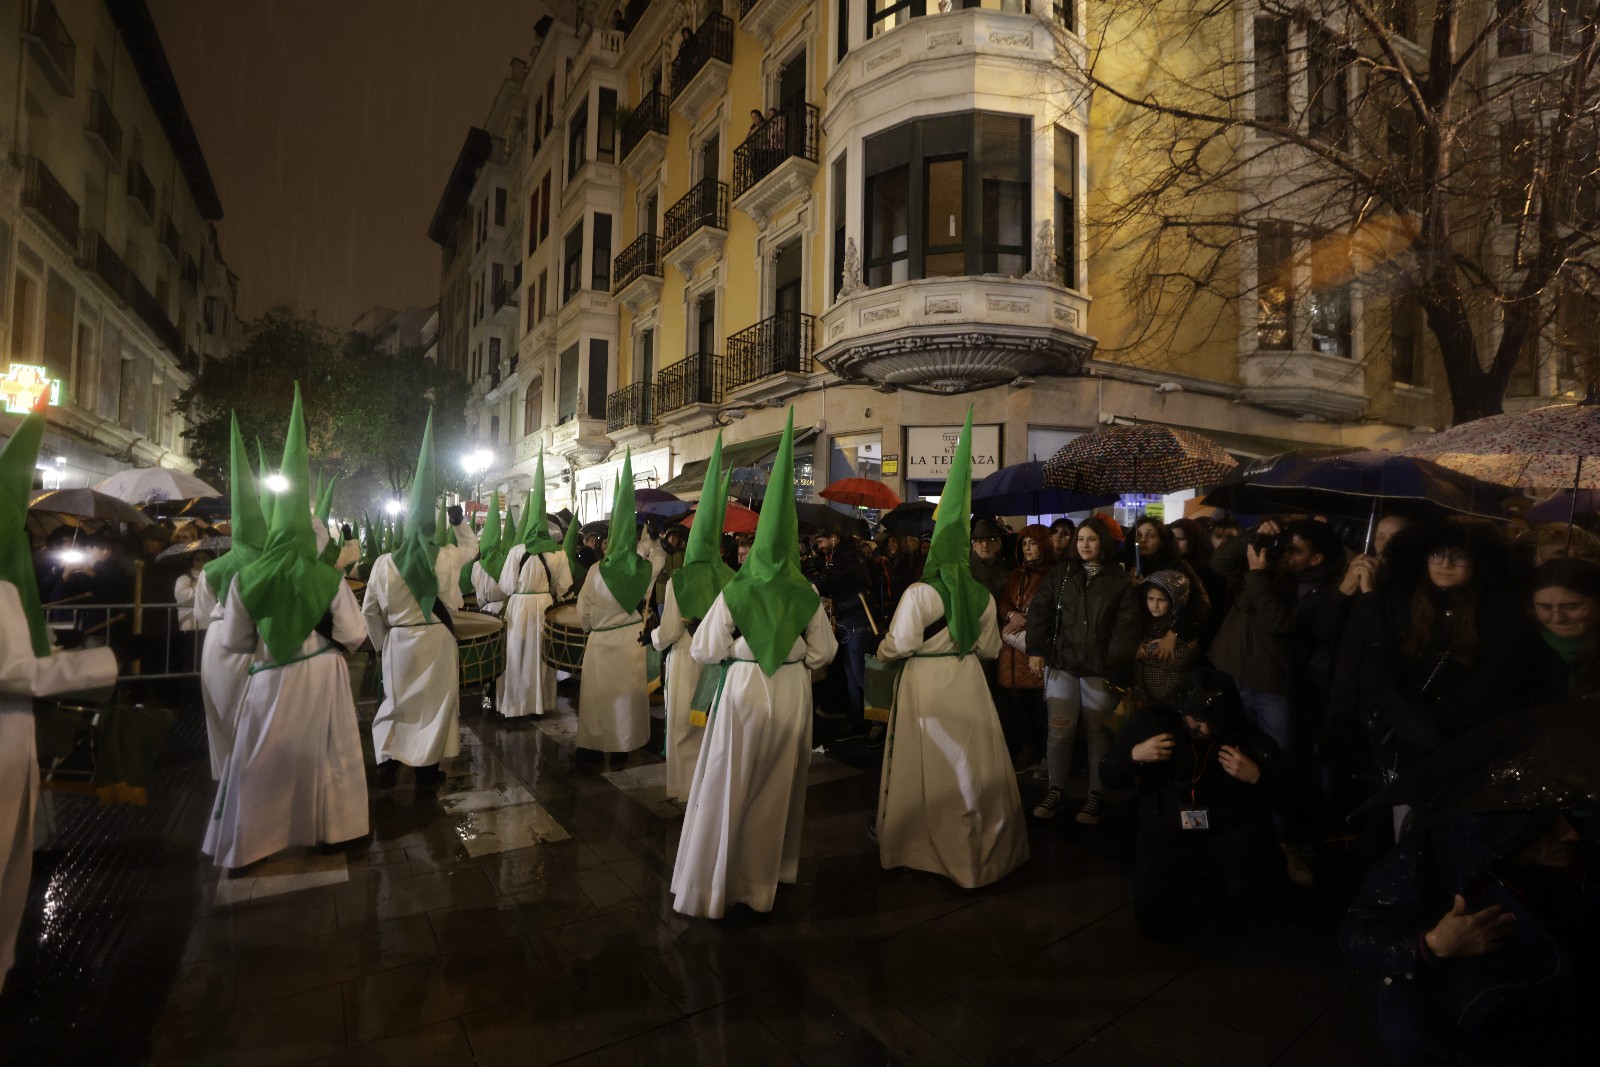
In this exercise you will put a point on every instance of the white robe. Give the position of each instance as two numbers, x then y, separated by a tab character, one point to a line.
450	560
679	679
741	832
418	722
486	587
295	774
948	801
24	676
529	685
222	678
613	707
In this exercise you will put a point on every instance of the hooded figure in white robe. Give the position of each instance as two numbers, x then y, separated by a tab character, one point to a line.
493	545
534	577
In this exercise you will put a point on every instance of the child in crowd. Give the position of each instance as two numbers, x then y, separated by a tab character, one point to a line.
1164	662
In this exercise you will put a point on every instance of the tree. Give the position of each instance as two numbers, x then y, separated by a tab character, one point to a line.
364	407
1447	163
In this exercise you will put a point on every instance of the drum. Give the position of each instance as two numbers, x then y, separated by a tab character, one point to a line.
564	638
481	647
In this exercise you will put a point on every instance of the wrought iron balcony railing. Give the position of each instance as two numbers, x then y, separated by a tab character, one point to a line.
781	344
507	296
713	40
49	199
705	204
168	236
696	380
140	191
103	124
792	132
96	254
640	259
50	34
651	116
630	406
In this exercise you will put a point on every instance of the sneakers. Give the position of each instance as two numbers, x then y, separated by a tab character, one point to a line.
875	736
1296	868
1050	806
1093	807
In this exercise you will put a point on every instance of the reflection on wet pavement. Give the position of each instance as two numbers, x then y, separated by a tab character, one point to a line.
521	916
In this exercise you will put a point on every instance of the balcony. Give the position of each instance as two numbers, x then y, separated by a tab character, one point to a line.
507	295
629	413
190	274
776	163
688	388
644	135
1305	383
700	69
49	202
637	273
951	335
103	132
52	46
696	227
96	255
771	358
581	440
602	49
763	18
167	236
140	192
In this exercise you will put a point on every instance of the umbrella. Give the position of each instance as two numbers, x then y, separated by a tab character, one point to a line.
1352	484
815	517
144	484
1144	458
210	508
1020	490
215	545
664	509
87	504
913	517
1561	506
861	492
652	496
599	526
739	519
1544	447
1543	758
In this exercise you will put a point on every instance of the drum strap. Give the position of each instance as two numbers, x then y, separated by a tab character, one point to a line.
442	613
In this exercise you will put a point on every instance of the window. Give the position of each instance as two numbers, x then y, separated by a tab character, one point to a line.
885	15
645	356
605	144
60	327
1571	25
929	181
1272	69
544	207
1275	286
499	207
1066	221
842	22
572	263
25	324
706	324
1329	303
600	254
1328	64
1516	32
599	378
497	278
532	407
1405	351
494	356
839	171
550	105
544	293
578	138
567	395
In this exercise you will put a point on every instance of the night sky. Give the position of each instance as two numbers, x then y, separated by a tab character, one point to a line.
330	127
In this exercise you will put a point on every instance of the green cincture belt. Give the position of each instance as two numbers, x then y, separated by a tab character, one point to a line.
257	668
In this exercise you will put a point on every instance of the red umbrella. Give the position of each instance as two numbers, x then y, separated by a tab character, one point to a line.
739	519
862	492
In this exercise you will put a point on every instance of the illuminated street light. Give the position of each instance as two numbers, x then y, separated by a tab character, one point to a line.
277	483
394	507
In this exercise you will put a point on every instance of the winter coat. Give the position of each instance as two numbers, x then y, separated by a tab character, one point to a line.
1022	586
1086	626
843	577
1253	644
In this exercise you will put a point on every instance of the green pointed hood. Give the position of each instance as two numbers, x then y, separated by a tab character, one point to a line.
535	523
17	461
627	574
569	545
288	589
414	556
269	499
770	599
948	568
490	558
330	551
247	519
442	533
703	574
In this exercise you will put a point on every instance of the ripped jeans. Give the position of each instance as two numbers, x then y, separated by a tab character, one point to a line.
1065	697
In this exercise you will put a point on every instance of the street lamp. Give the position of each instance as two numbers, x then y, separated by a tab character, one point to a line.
475	463
277	483
394	507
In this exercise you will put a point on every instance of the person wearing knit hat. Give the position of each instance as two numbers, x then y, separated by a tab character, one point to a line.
295	774
29	668
1083	628
613	704
534	575
692	589
408	617
764	634
948	802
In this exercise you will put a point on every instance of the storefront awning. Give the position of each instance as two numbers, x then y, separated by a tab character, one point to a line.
757	452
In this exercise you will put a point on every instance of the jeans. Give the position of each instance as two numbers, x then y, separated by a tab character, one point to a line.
1065	695
855	647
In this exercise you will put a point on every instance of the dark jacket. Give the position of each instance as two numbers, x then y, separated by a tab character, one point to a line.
1192	778
991	574
1253	644
1086	626
844	578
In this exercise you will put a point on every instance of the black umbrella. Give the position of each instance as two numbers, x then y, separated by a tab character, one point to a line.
914	517
1543	758
1350	484
815	518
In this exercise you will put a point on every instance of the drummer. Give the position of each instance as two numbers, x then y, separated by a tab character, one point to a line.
534	576
408	612
493	545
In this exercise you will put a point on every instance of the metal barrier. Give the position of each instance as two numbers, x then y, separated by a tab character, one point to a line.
145	637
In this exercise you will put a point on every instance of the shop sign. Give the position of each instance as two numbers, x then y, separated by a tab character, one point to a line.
890	465
929	450
22	385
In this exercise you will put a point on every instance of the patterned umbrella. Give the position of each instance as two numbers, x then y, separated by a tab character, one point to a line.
1145	458
862	492
1545	448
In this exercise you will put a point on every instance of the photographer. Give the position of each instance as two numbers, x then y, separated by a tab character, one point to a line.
840	573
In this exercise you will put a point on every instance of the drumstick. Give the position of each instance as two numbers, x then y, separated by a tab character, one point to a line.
870	622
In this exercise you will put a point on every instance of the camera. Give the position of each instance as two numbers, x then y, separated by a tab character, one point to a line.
455	514
1270	543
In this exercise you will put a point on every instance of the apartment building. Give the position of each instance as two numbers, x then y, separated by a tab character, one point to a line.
111	276
874	211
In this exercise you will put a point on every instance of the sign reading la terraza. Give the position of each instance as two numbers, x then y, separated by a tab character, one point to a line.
929	450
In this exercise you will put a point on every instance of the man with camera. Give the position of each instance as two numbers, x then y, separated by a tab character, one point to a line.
1279	642
840	573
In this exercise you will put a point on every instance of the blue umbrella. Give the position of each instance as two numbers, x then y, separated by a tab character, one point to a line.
1354	484
665	509
1020	490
